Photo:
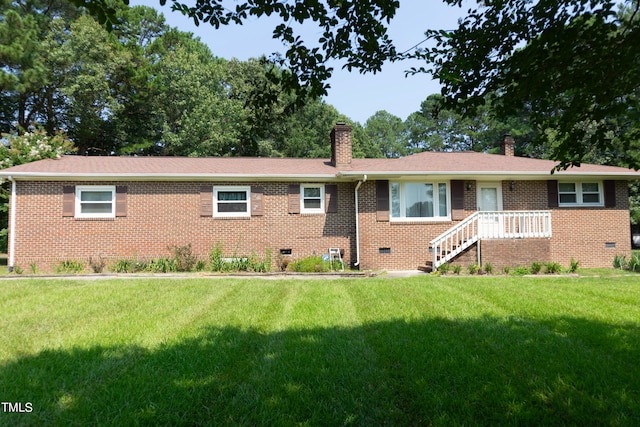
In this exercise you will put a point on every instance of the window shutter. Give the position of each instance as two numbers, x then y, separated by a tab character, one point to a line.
294	199
68	200
382	197
331	198
206	200
121	200
609	194
552	193
457	200
257	208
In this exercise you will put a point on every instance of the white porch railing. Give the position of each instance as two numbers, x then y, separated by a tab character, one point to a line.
489	225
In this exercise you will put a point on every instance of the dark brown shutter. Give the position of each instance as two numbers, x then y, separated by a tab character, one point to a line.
331	198
609	194
552	193
68	200
457	200
206	200
382	197
294	198
121	200
257	208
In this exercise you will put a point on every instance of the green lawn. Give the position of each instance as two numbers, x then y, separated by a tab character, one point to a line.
426	350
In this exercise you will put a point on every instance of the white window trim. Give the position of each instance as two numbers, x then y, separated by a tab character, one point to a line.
578	193
78	207
436	204
319	210
245	188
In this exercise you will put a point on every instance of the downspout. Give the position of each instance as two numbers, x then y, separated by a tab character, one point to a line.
12	226
357	263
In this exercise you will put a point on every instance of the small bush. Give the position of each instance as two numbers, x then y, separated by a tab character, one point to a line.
312	264
183	257
536	267
161	265
488	268
573	266
215	258
506	269
457	268
473	268
444	268
34	268
634	263
201	265
97	265
521	271
70	266
620	262
123	266
553	268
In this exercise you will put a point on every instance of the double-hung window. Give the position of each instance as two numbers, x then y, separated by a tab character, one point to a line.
312	198
580	194
419	200
95	201
231	201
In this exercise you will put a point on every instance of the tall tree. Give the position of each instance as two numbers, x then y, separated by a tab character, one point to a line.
574	64
388	132
22	69
199	117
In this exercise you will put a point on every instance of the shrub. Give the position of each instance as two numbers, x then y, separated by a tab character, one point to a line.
620	262
634	263
488	268
34	268
215	258
200	265
457	268
553	268
506	269
312	264
536	267
573	267
97	265
123	266
161	265
444	268
70	266
183	257
473	268
521	271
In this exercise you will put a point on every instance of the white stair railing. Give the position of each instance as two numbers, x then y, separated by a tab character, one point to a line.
489	225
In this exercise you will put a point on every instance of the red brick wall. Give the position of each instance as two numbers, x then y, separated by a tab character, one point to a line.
578	233
163	214
502	253
585	234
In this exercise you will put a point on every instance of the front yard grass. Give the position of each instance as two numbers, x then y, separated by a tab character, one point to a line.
418	351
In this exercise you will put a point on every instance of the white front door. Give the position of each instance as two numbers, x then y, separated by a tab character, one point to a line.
490	200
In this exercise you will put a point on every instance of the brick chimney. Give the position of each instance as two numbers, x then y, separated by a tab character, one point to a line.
341	145
507	146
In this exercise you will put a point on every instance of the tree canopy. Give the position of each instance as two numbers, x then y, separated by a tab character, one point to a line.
573	65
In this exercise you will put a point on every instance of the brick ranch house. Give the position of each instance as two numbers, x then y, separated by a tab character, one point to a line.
413	212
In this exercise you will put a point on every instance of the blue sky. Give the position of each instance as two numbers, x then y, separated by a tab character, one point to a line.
353	94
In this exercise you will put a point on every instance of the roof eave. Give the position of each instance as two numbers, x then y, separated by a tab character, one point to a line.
42	176
495	175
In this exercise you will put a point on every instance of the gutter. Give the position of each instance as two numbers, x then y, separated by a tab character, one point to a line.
12	226
357	263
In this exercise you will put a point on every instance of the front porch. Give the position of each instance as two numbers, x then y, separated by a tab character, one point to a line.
489	226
